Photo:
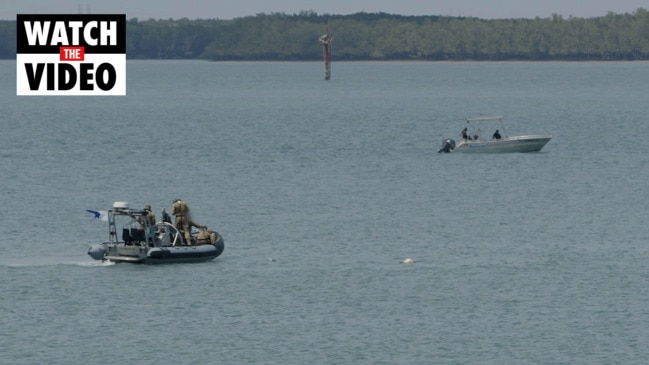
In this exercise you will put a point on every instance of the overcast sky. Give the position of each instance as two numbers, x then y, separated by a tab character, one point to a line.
228	9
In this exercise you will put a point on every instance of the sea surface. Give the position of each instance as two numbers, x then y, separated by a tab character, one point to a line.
320	189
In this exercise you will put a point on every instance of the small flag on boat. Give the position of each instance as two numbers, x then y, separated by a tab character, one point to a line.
101	215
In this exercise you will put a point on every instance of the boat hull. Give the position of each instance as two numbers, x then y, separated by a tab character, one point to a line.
119	252
183	254
532	143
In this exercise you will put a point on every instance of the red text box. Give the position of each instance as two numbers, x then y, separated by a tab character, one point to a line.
71	54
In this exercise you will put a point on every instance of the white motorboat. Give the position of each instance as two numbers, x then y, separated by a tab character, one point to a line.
474	140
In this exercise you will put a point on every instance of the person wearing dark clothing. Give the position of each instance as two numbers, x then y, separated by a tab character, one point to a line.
465	136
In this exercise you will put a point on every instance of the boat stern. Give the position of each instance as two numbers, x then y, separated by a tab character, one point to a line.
448	145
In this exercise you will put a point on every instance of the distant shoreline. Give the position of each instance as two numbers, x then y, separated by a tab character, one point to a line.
381	37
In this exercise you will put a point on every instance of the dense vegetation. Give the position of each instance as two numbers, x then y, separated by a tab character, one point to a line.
380	36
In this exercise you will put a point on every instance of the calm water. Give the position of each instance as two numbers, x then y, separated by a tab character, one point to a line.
320	189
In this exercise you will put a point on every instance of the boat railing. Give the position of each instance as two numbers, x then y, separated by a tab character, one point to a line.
498	119
482	119
164	233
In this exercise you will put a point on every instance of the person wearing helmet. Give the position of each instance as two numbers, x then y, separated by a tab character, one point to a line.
147	221
148	214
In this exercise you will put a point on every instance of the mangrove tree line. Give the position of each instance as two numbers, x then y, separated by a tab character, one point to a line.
380	36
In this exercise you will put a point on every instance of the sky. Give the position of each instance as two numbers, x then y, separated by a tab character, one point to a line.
229	9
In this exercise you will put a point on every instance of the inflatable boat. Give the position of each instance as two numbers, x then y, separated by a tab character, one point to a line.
145	243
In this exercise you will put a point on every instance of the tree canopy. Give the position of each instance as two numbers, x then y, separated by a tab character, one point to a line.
381	36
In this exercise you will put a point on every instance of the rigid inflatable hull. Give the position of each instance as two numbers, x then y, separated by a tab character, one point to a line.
157	255
183	254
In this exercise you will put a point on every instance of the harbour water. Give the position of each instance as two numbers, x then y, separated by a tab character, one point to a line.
320	188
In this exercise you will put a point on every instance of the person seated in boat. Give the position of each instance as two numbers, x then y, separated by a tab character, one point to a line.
199	226
206	237
194	224
465	136
497	135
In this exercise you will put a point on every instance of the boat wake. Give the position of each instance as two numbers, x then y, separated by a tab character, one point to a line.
95	263
44	263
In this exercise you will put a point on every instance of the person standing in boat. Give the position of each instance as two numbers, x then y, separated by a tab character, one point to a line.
148	214
181	211
497	135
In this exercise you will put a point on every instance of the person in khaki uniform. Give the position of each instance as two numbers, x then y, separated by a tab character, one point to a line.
181	211
206	237
149	215
191	224
194	224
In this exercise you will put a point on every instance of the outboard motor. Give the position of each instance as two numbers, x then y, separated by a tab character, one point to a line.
448	145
